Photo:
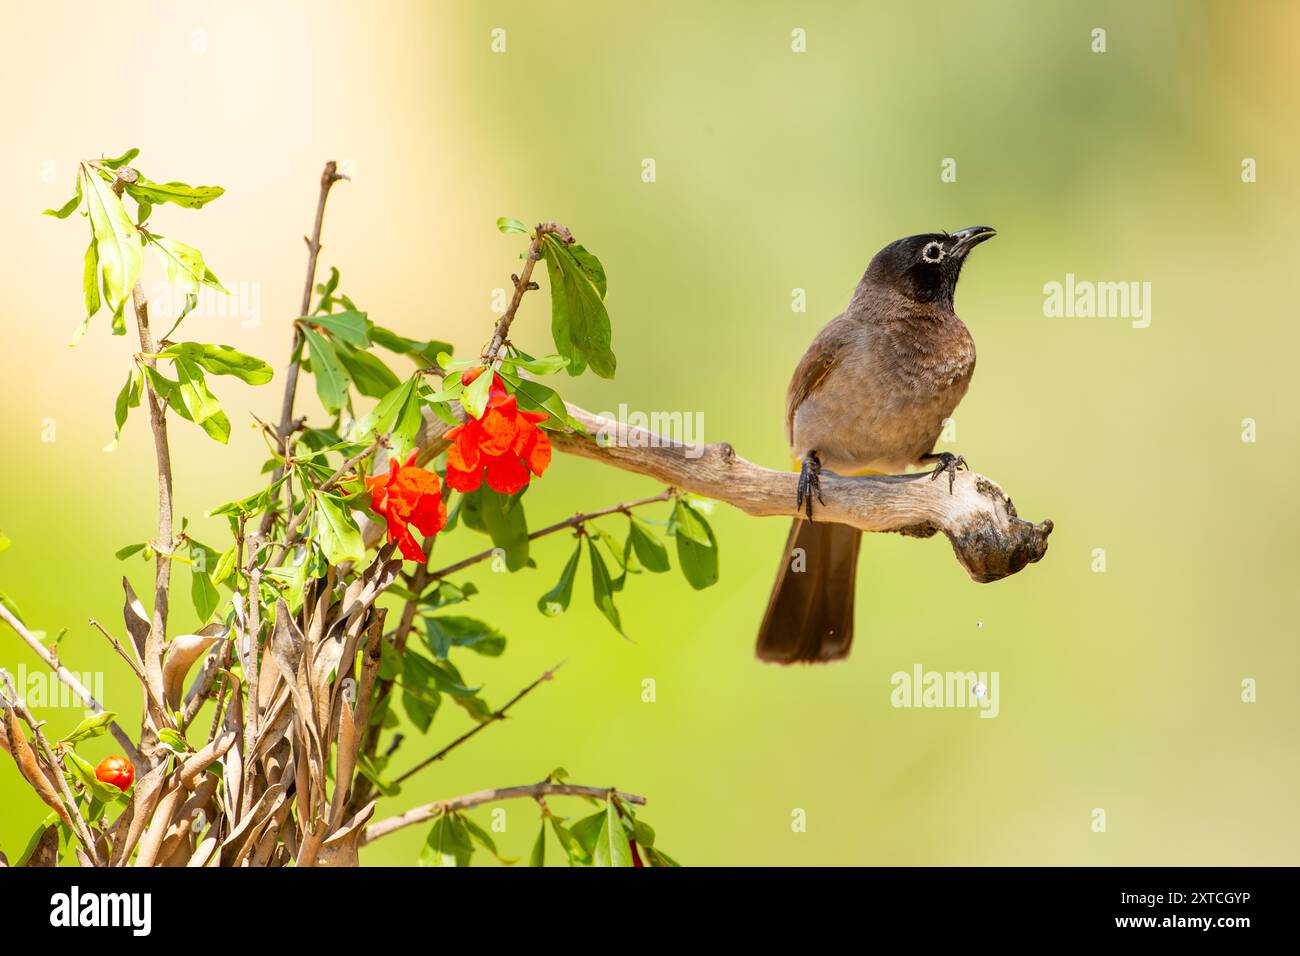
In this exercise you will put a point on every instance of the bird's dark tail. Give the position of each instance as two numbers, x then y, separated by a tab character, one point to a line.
810	614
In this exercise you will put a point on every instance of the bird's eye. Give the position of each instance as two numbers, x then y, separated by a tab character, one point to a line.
933	252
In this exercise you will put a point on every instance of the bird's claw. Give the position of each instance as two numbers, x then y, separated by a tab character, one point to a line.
809	484
949	464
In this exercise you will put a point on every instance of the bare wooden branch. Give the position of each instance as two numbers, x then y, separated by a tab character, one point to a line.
498	714
535	791
328	177
989	538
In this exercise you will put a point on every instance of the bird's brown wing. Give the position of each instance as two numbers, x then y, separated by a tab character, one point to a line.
816	364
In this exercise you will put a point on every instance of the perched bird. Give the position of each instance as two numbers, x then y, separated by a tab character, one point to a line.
869	396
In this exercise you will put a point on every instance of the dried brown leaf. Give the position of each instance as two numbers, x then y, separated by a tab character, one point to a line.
30	767
180	656
46	853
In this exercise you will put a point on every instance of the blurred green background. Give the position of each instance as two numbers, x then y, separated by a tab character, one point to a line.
775	170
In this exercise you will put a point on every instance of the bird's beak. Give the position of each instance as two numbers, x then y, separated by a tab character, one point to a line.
964	240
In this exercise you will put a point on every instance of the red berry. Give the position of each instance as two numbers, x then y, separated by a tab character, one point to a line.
116	770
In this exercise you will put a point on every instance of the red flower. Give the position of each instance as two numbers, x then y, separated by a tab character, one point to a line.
116	770
408	495
505	444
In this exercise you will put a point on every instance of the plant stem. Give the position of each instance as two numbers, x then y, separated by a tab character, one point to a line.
523	283
328	177
535	791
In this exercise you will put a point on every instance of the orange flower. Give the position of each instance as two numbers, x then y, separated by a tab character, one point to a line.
405	496
504	444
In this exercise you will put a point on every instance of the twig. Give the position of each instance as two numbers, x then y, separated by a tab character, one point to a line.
988	537
496	715
523	283
70	680
328	177
574	522
158	424
535	791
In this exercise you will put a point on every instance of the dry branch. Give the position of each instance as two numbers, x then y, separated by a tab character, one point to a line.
536	791
989	538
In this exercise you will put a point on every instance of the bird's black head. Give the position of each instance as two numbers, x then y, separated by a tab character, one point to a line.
925	268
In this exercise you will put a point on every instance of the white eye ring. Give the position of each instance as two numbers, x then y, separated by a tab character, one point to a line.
933	252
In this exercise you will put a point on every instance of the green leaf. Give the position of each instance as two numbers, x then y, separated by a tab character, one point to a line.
370	375
474	397
116	240
255	503
397	413
222	360
534	396
120	161
448	843
547	365
538	856
612	848
425	354
351	327
90	280
127	399
697	548
66	210
650	551
203	593
579	321
602	588
508	225
578	854
174	740
85	772
447	631
5	542
331	378
556	601
184	266
485	840
93	726
502	518
336	533
191	399
191	197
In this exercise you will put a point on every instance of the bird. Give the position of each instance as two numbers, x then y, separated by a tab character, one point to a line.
869	396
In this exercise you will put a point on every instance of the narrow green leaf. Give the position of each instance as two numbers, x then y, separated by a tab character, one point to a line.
92	726
120	161
90	279
191	197
424	354
351	327
66	210
448	843
534	396
447	631
398	414
650	551
508	225
336	532
331	378
222	360
579	321
116	240
697	548
370	375
602	588
612	848
127	399
538	856
556	601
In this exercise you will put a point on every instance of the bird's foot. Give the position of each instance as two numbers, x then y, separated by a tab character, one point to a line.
948	464
809	484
